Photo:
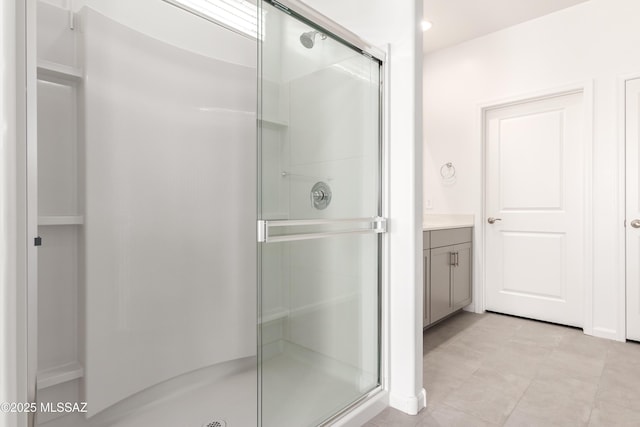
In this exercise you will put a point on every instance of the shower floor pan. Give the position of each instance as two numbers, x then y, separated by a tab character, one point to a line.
293	383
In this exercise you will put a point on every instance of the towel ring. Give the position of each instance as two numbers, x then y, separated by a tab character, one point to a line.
449	172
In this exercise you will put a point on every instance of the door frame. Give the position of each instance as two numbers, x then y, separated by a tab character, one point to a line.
586	88
621	334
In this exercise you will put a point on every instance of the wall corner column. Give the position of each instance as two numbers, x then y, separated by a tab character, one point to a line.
406	392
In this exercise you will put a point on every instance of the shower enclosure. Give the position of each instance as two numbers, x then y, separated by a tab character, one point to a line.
208	189
319	222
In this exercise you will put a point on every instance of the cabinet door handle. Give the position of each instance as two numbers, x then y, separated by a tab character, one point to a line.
457	263
452	258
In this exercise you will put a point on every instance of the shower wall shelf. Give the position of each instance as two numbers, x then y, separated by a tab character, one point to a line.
61	220
274	122
60	374
281	313
286	174
48	69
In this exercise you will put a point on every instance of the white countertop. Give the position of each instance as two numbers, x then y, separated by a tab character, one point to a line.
441	222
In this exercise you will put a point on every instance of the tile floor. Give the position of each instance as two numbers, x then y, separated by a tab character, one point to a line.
496	370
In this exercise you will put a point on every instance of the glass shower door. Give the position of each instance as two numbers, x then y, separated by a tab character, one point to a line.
319	221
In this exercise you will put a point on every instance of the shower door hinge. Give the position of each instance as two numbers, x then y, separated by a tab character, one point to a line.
262	231
37	241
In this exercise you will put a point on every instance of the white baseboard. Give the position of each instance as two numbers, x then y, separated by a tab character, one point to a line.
610	334
409	404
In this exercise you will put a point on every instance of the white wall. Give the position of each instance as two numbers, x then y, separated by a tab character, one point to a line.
594	41
396	24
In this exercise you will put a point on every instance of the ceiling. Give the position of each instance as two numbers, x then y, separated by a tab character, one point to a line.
455	21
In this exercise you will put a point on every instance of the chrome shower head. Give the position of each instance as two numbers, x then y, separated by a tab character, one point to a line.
308	39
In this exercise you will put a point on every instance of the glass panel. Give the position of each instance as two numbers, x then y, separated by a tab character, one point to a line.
147	166
170	277
319	158
319	327
320	123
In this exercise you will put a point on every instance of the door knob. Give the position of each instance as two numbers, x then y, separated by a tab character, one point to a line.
492	220
635	223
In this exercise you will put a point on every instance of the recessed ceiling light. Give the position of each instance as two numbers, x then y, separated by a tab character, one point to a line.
426	25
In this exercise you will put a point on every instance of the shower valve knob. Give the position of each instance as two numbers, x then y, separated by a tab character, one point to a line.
320	195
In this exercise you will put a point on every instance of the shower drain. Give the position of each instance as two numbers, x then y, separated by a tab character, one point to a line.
215	423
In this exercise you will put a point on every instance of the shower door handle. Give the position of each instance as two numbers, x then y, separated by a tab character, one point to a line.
271	231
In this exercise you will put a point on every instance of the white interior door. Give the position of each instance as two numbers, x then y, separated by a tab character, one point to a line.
535	192
632	136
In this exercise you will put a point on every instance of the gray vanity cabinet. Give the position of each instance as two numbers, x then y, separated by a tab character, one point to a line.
447	286
441	275
461	277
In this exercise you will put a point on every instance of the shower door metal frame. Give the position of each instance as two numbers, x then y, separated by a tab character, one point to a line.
379	224
321	22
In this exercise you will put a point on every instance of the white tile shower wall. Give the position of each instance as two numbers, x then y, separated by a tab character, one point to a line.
333	139
593	41
170	210
332	290
275	299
